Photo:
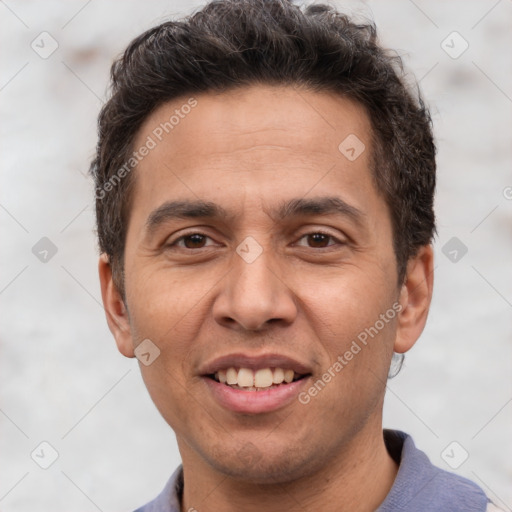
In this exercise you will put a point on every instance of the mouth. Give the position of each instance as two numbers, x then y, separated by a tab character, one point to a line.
253	385
247	379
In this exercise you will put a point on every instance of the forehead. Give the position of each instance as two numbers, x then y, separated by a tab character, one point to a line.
259	140
309	121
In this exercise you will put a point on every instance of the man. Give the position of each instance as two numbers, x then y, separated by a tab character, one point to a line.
264	196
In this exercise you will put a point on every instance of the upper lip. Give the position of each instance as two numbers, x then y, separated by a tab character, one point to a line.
254	362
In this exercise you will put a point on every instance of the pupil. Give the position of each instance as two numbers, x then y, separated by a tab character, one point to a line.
194	239
318	238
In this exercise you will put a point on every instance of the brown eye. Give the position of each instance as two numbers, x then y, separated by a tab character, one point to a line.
192	241
318	240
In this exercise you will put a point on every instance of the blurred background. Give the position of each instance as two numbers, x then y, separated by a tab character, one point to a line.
63	382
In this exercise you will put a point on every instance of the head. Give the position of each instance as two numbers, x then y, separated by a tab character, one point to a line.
311	168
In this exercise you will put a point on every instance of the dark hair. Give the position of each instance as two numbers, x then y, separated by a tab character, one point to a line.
234	43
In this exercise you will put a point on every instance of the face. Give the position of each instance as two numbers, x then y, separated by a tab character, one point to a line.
255	243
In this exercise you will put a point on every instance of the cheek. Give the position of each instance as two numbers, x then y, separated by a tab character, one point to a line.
356	324
357	346
169	392
168	315
346	300
168	311
165	302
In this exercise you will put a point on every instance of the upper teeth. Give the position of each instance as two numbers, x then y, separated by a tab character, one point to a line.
247	378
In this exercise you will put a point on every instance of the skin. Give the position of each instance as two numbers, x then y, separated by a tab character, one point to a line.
307	297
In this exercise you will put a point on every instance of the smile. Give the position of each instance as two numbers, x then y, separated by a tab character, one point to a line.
248	380
255	392
254	383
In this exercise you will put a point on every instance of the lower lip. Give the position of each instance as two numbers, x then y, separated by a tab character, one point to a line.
255	402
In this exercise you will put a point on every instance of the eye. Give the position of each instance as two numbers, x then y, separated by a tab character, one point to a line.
190	241
315	240
320	240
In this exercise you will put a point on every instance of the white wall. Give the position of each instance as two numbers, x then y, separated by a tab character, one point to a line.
62	379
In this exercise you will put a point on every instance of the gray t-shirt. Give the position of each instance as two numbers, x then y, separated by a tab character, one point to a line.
419	486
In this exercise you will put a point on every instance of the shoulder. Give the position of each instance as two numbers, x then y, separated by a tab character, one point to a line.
421	486
169	499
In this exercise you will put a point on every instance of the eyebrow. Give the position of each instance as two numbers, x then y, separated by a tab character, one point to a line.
198	209
319	206
172	210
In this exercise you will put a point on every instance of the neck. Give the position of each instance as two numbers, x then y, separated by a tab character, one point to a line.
358	477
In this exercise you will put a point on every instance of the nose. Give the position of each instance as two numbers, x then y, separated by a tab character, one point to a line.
254	294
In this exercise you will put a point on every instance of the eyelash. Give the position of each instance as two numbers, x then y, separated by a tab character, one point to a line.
183	237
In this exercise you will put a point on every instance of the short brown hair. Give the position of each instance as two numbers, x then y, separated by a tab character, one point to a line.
235	43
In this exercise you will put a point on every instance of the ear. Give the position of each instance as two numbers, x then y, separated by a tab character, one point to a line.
115	309
415	298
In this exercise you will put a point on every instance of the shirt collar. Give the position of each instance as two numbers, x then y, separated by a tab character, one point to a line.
415	472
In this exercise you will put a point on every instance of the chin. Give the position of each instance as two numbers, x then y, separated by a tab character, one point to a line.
252	465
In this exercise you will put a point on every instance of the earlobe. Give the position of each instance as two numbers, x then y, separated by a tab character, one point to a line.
415	298
115	309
